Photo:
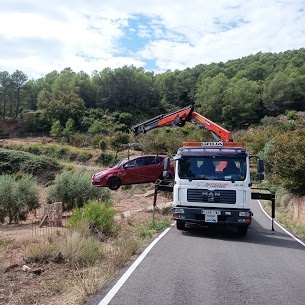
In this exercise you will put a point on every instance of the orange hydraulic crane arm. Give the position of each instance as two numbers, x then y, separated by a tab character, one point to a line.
179	118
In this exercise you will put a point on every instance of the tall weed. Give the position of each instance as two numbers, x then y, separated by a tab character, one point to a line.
98	216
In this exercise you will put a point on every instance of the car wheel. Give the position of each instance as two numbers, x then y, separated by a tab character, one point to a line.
180	225
114	183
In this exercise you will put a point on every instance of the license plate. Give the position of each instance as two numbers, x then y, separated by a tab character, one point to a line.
211	215
210	212
211	218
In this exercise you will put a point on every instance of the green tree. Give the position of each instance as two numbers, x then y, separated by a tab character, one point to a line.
18	79
69	128
125	89
277	94
286	157
210	96
242	103
68	105
56	129
5	85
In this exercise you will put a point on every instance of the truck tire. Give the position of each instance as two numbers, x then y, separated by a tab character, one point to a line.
114	183
242	231
180	225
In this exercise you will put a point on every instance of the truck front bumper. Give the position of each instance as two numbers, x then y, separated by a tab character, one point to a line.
211	217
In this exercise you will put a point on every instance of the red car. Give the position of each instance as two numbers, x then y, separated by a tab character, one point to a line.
132	170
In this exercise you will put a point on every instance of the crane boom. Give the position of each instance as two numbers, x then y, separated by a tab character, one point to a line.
179	118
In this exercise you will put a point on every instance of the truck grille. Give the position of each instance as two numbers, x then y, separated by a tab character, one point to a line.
215	196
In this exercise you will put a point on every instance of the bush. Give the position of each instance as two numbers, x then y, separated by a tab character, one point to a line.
118	139
35	149
11	160
99	217
102	145
42	167
80	140
106	159
151	228
17	197
287	161
76	249
4	134
56	129
74	189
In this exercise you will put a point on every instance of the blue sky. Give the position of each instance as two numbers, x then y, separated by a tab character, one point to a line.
38	37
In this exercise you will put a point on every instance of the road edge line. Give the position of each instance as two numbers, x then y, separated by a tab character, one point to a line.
108	297
286	231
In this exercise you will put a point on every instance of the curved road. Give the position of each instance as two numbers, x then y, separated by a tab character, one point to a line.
196	267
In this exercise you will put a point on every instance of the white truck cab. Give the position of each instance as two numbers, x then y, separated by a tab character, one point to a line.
212	185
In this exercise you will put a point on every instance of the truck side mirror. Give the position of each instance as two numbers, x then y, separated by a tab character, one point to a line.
260	170
166	167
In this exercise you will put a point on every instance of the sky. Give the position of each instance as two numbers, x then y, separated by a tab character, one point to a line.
38	37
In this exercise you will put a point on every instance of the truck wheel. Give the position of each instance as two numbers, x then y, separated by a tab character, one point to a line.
180	225
114	183
242	231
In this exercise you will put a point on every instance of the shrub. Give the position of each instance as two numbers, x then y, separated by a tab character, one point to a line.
150	228
98	216
80	140
118	139
44	168
74	189
291	114
17	197
56	129
77	249
4	134
69	128
287	160
106	159
102	145
35	149
11	160
80	250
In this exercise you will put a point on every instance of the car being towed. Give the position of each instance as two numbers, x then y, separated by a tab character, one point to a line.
132	170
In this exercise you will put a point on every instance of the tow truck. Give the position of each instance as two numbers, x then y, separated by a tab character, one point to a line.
212	186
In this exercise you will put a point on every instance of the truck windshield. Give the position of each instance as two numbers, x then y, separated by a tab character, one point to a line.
212	168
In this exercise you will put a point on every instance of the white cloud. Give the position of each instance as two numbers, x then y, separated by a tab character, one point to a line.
39	37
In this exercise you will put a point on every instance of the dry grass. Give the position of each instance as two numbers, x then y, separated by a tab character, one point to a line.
284	215
73	266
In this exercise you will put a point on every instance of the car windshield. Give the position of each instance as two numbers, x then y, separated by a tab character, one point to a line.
119	163
212	168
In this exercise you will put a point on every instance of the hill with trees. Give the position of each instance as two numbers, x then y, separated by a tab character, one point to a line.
261	98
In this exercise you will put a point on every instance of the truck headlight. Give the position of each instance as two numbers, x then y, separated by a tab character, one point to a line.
245	214
178	210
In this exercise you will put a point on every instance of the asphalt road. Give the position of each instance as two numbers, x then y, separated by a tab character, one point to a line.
199	267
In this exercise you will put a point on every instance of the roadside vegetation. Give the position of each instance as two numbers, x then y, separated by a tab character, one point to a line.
83	121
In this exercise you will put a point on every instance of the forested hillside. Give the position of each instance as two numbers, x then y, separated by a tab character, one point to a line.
260	98
235	94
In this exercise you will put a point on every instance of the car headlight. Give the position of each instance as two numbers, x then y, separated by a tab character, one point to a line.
98	176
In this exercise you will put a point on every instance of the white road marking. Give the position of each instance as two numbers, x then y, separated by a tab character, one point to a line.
295	238
108	297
